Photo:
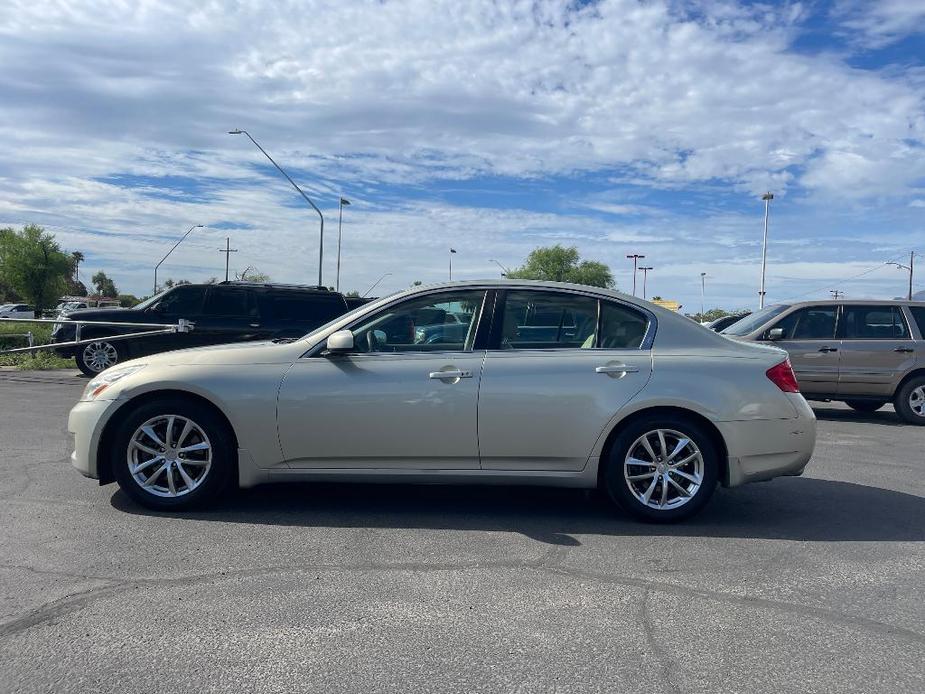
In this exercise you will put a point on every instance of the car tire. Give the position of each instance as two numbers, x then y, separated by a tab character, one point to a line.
864	405
98	356
910	401
188	471
627	483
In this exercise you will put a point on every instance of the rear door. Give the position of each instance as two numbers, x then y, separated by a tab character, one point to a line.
561	364
810	339
876	349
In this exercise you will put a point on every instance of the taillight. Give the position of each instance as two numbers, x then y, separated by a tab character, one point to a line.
783	377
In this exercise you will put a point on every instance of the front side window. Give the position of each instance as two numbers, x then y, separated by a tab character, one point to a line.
874	323
181	302
813	323
539	320
433	323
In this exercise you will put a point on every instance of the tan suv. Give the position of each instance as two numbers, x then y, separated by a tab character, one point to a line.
865	353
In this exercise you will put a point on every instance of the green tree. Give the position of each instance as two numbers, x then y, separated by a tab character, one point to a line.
170	282
77	258
354	293
104	285
33	265
560	264
252	274
128	300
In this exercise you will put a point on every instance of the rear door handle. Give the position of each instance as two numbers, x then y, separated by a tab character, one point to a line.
828	349
904	350
616	369
449	374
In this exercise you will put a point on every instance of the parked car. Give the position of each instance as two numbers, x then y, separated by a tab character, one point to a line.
17	311
721	324
631	398
864	353
224	312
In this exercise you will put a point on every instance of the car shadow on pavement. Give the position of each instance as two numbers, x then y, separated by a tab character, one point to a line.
885	416
788	509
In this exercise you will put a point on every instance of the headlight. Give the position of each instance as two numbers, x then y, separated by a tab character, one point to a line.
106	379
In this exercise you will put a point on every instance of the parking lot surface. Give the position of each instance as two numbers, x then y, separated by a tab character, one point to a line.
810	584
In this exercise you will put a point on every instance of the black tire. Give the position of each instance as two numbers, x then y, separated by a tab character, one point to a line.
911	389
618	487
83	356
211	483
864	405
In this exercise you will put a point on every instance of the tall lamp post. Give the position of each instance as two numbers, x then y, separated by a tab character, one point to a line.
504	271
703	282
376	283
195	226
340	223
910	267
767	197
636	258
645	276
307	199
452	252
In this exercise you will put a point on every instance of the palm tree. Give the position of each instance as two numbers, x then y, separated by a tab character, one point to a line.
78	258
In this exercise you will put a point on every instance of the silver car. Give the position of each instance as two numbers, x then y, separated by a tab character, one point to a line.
866	353
510	382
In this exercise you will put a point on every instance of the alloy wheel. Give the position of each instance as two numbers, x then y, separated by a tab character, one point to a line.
169	455
99	356
917	401
663	469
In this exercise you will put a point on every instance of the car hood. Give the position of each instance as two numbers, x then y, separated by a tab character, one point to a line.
235	354
116	315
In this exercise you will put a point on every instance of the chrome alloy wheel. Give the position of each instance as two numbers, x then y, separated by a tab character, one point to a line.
99	356
169	455
663	469
917	401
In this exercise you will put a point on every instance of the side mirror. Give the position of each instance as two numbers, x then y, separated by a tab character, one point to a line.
776	334
341	341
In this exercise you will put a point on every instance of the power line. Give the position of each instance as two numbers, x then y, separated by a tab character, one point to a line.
843	279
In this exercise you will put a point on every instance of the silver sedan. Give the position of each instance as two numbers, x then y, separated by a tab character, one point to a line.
510	382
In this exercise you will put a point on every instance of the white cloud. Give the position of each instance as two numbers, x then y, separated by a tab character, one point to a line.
878	23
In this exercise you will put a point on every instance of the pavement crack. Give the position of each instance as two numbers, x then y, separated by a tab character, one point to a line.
648	626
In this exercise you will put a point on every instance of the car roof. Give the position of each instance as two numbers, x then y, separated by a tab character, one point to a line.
851	302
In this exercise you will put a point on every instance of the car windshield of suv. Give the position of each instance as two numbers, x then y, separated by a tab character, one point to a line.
754	321
150	301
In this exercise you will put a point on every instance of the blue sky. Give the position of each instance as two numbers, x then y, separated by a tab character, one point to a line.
493	127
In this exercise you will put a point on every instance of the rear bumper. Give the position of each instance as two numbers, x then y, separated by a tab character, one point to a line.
764	449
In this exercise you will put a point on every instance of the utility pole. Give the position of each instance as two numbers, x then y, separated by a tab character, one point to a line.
645	276
767	197
703	281
340	223
836	293
452	251
636	258
910	267
227	250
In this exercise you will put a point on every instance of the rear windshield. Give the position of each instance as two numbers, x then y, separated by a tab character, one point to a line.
754	321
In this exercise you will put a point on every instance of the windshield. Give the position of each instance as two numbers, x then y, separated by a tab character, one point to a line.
358	310
756	320
150	301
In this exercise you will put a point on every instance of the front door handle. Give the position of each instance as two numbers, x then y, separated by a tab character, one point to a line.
449	374
904	350
616	369
828	349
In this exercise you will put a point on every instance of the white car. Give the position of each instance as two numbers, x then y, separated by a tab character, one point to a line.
17	311
548	383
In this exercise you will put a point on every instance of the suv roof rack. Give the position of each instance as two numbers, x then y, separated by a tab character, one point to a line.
276	285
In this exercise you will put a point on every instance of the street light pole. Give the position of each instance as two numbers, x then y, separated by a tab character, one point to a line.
645	276
504	271
636	257
340	222
452	251
307	199
703	281
195	226
227	250
376	283
767	197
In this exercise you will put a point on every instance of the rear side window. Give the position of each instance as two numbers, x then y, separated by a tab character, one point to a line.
813	323
918	312
295	307
621	327
537	320
874	323
226	301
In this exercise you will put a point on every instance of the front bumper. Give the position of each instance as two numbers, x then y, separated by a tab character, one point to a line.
86	422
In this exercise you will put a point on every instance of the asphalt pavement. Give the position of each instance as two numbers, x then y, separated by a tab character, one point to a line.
810	584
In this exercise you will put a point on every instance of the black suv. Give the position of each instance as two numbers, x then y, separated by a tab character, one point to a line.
224	312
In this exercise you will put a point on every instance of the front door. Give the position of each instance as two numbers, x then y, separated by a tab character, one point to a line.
809	338
551	383
406	398
876	350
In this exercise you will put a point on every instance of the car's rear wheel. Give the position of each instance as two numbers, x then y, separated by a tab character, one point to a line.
173	454
97	356
910	401
864	405
662	468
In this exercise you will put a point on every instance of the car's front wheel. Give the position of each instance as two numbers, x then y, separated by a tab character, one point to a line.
97	356
662	468
173	454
